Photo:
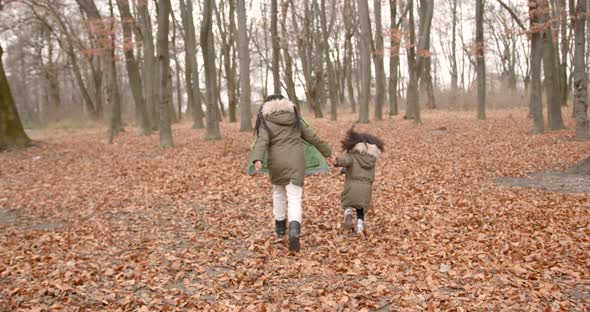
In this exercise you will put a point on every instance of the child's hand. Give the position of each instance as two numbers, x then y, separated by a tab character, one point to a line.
332	160
258	165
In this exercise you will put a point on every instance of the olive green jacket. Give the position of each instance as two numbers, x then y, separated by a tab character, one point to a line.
360	174
284	143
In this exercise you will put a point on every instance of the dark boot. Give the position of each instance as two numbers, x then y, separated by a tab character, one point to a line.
280	227
294	232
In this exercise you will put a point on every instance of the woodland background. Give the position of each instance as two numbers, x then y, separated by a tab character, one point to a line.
481	198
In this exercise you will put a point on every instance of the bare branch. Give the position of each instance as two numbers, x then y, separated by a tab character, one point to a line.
513	14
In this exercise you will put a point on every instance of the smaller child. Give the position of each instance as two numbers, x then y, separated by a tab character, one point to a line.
362	152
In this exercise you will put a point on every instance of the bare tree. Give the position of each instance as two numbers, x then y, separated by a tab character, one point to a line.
227	30
426	66
164	64
380	95
365	55
12	133
149	68
395	36
479	54
580	75
550	69
332	83
276	52
536	104
287	59
191	71
349	21
208	47
133	73
416	62
244	58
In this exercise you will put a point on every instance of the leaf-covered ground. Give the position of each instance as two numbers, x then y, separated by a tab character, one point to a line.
89	226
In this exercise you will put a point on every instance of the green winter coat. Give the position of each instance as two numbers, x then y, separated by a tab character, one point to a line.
360	174
284	143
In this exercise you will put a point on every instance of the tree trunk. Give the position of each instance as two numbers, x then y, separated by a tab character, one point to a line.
12	134
380	95
565	50
164	65
412	89
395	38
149	63
536	104
287	59
227	32
191	71
365	62
480	63
426	67
112	87
347	14
133	73
454	69
244	57
208	47
332	84
274	33
580	75
550	68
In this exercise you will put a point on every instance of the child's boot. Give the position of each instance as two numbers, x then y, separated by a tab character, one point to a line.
348	218
280	227
294	232
360	226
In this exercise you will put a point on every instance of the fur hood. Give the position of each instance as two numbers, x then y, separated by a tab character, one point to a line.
367	149
275	106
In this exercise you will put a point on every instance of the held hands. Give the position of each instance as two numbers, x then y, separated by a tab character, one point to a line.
258	165
331	160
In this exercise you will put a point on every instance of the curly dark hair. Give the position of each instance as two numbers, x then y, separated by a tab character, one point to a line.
353	138
260	119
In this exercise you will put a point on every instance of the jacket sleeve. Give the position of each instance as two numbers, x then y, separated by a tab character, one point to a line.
310	136
261	145
344	161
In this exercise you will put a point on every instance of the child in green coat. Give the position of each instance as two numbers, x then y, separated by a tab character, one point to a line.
280	132
362	152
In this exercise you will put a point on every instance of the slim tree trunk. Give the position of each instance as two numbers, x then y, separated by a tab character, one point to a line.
550	68
164	65
133	73
365	56
426	67
274	33
347	14
149	62
380	95
412	89
332	84
480	62
580	75
191	72
287	59
454	69
395	38
208	47
227	32
12	134
536	104
244	58
112	89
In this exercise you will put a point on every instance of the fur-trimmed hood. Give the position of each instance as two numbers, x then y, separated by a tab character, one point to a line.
367	149
275	106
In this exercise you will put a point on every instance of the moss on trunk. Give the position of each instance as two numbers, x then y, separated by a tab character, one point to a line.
12	134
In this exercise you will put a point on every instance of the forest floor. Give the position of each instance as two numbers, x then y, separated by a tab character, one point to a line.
89	226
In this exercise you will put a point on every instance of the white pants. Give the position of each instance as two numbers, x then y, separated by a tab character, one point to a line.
284	195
